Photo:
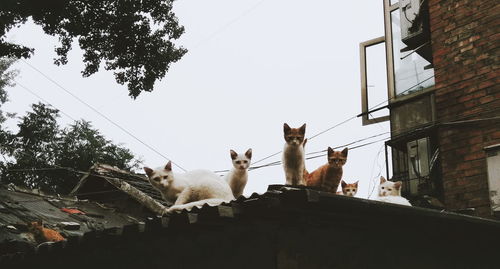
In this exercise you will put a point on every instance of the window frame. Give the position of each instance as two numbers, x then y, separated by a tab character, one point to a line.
364	82
388	9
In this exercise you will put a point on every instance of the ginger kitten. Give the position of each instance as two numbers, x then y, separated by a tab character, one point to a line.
43	234
349	189
293	155
238	176
328	176
390	192
193	188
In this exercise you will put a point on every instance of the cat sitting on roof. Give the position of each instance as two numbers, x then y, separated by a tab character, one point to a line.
327	177
390	192
238	176
293	154
190	189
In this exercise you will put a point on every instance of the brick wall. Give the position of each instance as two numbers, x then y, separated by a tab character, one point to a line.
465	36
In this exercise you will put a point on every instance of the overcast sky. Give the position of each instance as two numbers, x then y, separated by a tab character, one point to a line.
252	65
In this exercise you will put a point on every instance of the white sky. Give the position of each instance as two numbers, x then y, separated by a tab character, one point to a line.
252	66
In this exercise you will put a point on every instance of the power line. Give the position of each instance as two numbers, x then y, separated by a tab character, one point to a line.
348	144
333	127
43	100
229	23
373	167
352	148
349	119
275	163
317	152
102	115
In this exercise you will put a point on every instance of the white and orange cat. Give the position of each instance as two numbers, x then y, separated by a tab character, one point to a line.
193	188
390	192
238	176
293	155
328	176
349	189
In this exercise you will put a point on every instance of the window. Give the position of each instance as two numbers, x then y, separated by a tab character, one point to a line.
493	162
411	71
407	53
373	81
415	163
409	57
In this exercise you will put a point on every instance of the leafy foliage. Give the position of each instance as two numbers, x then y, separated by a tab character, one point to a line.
134	38
6	80
42	146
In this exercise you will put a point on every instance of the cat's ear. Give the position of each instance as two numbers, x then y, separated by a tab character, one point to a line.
148	171
302	129
40	223
344	152
382	179
343	184
398	184
330	151
356	183
168	167
249	153
286	128
233	154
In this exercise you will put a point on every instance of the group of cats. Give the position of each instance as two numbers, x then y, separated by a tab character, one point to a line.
199	187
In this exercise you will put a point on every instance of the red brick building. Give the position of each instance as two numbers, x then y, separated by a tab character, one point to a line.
444	100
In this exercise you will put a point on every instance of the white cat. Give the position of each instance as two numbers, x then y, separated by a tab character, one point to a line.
193	188
238	176
390	192
293	155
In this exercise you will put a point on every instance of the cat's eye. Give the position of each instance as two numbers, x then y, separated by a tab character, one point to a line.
389	189
238	162
382	188
165	177
245	161
156	179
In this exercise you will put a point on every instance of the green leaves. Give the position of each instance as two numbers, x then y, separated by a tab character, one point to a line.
133	38
40	144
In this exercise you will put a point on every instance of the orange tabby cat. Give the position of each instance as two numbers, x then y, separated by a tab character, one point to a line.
328	176
43	234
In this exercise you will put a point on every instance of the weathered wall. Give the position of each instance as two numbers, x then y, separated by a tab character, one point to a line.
465	37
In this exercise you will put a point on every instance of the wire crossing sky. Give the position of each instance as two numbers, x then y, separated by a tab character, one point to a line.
253	65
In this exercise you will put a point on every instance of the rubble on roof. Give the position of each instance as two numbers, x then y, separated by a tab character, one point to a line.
133	185
69	216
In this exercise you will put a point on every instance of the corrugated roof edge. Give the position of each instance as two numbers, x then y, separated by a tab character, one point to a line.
277	202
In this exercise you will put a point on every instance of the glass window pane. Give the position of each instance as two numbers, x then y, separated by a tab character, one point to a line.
493	163
394	2
410	72
376	80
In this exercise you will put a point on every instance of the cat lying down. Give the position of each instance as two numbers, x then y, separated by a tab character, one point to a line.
190	189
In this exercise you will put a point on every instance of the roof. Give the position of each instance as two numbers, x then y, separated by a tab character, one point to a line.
300	214
72	217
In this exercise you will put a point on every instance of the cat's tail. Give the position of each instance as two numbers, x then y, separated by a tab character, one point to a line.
199	204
